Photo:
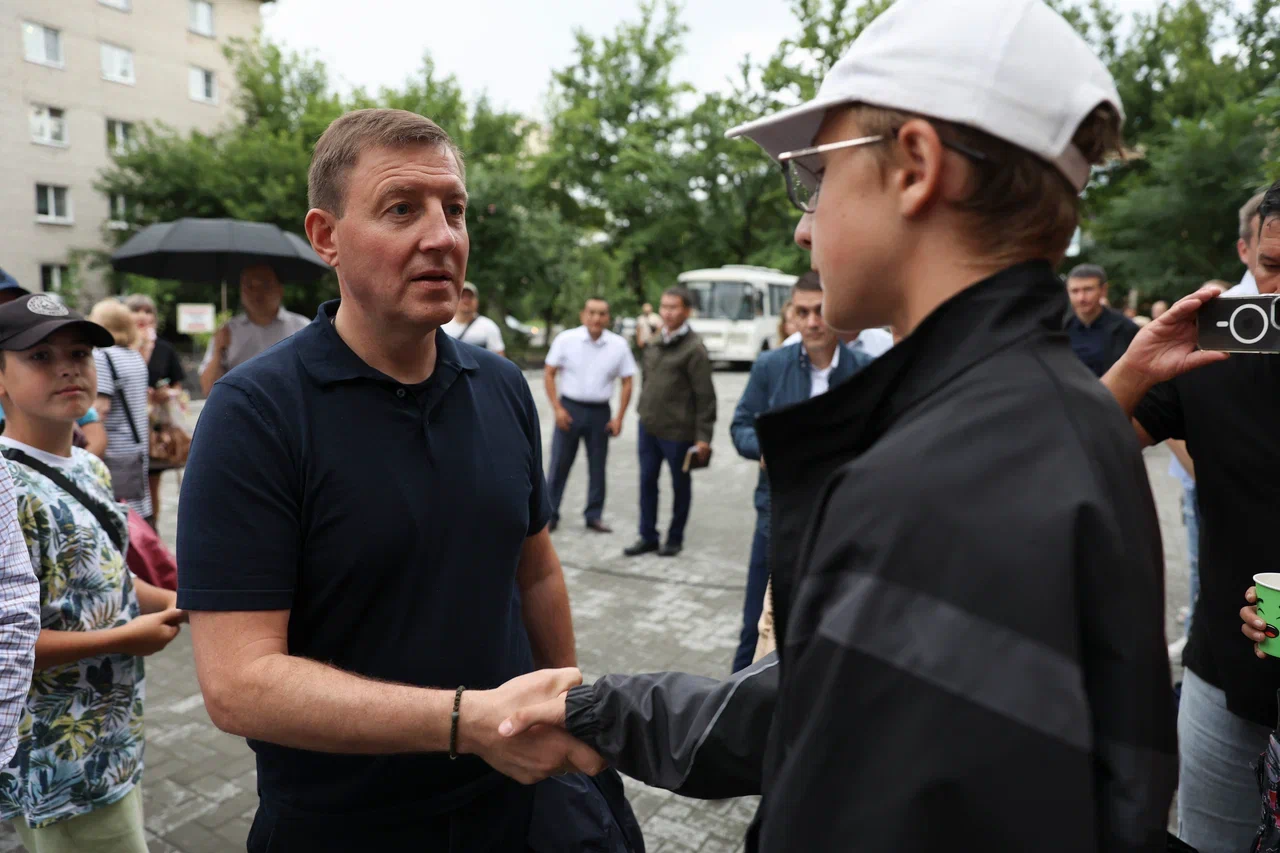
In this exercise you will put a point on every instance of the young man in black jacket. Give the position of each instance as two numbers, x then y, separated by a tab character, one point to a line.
966	557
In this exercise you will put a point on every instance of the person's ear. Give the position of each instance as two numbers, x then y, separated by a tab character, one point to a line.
321	227
919	173
1242	249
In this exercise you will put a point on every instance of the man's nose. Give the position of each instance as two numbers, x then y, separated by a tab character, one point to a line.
804	232
437	235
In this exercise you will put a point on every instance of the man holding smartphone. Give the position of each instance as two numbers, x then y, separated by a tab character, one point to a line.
1226	411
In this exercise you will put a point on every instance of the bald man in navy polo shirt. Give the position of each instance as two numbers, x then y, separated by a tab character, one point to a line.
363	535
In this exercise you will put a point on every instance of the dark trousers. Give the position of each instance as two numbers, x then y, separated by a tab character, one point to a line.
653	452
753	604
496	821
590	424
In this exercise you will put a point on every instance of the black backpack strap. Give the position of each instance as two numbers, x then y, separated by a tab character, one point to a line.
115	380
101	513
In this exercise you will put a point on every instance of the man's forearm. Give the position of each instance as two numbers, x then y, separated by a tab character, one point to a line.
304	704
549	381
212	372
626	396
1127	386
549	621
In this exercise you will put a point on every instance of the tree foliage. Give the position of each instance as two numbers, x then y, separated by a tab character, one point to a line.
628	179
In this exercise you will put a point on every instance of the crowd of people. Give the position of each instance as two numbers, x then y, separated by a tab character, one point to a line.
953	628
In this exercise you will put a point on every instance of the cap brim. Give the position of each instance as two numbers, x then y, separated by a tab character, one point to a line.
26	339
790	129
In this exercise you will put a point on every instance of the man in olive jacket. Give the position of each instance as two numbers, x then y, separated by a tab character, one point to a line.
677	414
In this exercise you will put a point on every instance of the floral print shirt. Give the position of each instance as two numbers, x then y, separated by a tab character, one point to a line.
80	739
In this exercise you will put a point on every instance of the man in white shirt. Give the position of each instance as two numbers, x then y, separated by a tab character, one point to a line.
589	359
472	327
1247	247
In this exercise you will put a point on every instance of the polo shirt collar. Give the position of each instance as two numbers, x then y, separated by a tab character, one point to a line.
598	342
329	360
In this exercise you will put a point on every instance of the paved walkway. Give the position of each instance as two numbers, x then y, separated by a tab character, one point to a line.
630	615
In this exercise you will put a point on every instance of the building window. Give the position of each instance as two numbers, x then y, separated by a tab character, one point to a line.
53	204
119	135
42	44
117	64
119	219
203	86
48	125
52	277
200	14
122	5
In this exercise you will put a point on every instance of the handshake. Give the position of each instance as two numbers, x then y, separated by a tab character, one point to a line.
518	728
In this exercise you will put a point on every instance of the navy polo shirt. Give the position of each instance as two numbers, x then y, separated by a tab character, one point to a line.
389	520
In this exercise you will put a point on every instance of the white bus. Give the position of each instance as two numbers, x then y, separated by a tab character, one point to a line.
736	309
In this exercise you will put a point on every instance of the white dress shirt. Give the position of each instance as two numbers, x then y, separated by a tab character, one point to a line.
820	380
586	367
1246	287
481	332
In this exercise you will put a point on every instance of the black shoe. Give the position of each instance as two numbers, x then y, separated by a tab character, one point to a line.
669	550
552	525
641	546
599	526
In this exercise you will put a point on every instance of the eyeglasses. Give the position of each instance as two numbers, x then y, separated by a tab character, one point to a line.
804	171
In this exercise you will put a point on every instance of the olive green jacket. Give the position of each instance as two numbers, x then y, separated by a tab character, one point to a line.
677	399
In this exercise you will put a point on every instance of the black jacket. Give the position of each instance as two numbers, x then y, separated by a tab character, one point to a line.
677	397
968	594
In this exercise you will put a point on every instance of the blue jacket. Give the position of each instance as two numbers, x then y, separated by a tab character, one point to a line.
780	378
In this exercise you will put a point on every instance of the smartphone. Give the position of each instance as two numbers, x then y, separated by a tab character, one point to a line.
1240	324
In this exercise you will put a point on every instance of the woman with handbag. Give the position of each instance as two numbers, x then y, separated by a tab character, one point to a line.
122	404
169	441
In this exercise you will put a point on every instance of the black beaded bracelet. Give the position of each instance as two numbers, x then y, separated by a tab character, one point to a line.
453	725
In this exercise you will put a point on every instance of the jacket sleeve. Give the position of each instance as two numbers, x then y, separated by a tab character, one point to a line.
755	399
693	735
704	394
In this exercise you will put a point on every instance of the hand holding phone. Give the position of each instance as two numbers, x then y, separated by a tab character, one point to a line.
1248	324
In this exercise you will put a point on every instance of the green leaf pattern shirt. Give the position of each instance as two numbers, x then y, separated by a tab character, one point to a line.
80	738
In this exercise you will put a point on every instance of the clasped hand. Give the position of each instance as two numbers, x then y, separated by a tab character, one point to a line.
517	730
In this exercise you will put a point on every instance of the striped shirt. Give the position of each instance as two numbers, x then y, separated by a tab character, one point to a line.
19	618
132	380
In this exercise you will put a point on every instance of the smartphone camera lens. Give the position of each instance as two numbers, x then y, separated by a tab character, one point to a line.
1249	323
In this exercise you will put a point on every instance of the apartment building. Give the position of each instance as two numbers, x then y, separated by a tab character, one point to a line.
76	79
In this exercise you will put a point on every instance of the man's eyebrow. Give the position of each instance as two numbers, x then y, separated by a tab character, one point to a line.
396	189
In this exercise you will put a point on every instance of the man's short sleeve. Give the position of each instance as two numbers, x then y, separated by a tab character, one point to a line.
493	338
239	516
555	355
106	387
627	365
1160	413
539	499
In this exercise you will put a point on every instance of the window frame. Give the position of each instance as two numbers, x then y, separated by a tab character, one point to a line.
60	62
193	19
207	76
123	140
51	196
65	142
60	273
113	221
103	47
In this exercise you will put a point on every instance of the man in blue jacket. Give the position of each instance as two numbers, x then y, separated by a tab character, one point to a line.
782	378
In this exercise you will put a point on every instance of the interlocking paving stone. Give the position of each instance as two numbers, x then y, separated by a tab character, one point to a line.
630	615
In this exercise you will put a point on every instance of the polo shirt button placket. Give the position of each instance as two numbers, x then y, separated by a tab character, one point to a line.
400	393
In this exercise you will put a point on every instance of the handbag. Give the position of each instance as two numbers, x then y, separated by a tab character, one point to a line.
148	557
170	443
128	472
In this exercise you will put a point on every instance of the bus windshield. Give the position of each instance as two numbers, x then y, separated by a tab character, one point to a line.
723	300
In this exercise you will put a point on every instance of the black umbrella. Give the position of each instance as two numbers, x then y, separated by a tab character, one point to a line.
213	251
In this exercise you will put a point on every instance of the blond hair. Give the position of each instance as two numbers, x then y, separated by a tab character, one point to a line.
1023	207
116	318
1247	214
340	147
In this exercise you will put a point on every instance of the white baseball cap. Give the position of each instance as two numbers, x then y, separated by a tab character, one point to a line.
1012	68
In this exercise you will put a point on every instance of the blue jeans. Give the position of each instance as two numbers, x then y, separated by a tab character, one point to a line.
757	582
1191	518
590	424
1218	804
653	452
